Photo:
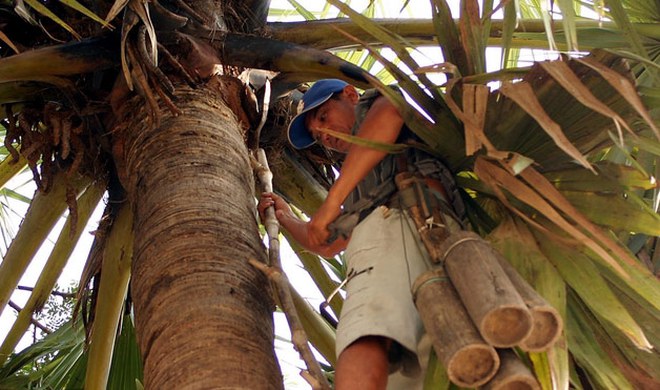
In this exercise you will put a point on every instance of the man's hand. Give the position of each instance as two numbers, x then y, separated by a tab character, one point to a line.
282	209
318	233
299	229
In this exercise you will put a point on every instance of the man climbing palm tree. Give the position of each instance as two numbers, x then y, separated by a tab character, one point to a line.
380	329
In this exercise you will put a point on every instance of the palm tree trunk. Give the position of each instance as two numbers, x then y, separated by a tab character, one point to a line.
203	314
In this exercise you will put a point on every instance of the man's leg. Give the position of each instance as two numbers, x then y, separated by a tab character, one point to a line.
363	365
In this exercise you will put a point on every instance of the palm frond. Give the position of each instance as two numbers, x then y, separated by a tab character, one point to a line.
126	371
67	346
54	265
45	210
10	168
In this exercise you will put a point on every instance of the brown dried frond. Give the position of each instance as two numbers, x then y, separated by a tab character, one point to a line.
40	131
177	66
12	134
149	80
52	137
141	83
92	269
71	201
33	137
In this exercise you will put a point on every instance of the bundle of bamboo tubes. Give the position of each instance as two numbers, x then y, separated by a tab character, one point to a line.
473	302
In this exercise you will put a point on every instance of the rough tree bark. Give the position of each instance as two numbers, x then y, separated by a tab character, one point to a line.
203	314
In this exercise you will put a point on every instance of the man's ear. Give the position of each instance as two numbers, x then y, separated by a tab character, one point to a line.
351	93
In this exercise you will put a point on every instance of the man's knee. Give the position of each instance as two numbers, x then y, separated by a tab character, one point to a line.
364	364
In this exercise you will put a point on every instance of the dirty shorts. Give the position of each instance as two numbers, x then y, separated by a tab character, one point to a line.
378	298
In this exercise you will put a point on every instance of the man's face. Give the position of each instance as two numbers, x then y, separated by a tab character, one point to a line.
336	114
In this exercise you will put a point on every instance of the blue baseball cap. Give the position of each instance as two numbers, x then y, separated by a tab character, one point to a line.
299	135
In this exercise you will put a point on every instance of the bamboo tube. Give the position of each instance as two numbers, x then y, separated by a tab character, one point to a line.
469	361
547	324
512	375
490	298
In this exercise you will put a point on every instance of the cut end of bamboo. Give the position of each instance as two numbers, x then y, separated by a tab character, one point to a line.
518	383
512	375
546	329
506	326
473	365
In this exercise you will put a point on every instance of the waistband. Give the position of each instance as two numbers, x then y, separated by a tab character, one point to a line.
432	186
432	193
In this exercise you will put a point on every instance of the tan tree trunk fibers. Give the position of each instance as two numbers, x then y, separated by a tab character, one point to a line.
203	314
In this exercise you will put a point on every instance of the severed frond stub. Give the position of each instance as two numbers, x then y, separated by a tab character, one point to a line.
89	279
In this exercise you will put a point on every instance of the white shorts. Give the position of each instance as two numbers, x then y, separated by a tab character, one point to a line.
386	258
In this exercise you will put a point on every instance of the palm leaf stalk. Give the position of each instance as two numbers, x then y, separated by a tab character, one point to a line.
45	210
10	168
320	334
324	33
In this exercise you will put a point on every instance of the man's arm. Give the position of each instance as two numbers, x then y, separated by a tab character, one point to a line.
382	123
297	227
